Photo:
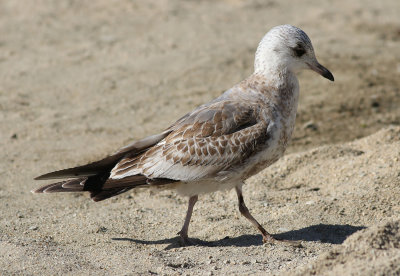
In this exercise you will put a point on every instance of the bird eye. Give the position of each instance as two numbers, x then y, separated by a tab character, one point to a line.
299	51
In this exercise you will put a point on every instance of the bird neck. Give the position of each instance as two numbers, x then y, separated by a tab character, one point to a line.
281	90
272	69
277	77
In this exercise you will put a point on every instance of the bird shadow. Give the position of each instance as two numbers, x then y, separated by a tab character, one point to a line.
323	233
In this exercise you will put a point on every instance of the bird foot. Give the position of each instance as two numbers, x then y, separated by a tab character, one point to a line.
184	239
271	240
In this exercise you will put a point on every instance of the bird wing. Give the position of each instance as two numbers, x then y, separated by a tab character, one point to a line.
106	164
212	138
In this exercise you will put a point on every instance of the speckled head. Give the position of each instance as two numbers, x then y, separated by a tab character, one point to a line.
289	48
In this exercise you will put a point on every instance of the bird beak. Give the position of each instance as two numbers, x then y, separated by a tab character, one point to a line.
321	70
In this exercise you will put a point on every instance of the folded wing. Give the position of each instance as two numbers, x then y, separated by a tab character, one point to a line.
211	139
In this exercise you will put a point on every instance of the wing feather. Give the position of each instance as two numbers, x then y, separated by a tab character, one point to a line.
210	139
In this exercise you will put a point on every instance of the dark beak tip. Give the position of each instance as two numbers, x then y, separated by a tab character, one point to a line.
322	71
326	73
329	76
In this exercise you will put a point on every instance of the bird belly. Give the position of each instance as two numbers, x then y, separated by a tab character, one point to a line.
205	186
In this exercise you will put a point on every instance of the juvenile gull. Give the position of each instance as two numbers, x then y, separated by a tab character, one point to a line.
218	145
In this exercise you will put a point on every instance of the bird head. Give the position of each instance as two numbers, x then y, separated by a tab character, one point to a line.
287	47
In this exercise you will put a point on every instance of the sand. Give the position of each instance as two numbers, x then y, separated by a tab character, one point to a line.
78	80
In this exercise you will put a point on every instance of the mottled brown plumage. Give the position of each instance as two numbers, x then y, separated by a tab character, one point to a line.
218	145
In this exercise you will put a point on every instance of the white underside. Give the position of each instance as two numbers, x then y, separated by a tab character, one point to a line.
204	187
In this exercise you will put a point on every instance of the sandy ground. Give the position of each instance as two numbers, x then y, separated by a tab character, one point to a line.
78	80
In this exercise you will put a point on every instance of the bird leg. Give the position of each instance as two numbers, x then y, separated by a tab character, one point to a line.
184	231
245	212
267	237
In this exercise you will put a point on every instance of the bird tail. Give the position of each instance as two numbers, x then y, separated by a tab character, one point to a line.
98	186
94	177
74	185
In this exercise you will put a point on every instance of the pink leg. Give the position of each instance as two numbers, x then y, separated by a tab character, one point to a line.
267	238
245	212
184	231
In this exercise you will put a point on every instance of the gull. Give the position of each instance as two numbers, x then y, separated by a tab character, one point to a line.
219	144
